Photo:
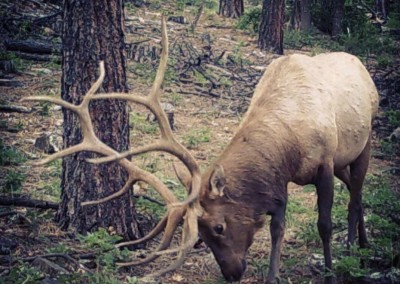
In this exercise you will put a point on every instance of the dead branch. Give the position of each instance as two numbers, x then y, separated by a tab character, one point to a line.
15	108
25	201
10	83
32	46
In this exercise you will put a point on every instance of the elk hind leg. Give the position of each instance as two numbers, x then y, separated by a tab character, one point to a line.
324	185
353	176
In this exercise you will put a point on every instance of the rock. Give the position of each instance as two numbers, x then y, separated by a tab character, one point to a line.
42	70
49	143
169	110
395	136
178	19
7	245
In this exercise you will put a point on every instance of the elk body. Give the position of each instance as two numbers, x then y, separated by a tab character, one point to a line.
309	120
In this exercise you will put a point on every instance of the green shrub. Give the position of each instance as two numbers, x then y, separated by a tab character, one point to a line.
250	20
14	181
10	156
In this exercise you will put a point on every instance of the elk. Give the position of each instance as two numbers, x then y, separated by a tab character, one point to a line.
309	120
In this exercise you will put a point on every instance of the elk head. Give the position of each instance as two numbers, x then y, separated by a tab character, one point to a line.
227	223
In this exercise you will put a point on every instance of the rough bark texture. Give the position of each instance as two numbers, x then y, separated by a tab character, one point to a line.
300	19
231	8
324	21
337	18
93	31
271	27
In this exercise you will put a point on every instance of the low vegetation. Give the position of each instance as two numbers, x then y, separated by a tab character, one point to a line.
302	257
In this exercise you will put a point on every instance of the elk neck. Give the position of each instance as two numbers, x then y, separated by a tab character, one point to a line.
259	162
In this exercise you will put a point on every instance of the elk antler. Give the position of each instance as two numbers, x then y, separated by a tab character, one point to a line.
189	209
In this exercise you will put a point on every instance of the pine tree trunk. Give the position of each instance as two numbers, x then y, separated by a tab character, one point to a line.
93	31
305	7
271	27
326	16
337	18
295	18
231	8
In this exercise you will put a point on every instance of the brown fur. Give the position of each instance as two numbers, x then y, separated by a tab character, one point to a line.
309	119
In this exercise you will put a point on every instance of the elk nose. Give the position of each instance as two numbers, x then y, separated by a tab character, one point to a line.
237	273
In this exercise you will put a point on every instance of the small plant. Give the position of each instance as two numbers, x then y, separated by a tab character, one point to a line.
388	147
106	255
149	208
196	137
250	20
10	156
60	248
140	123
14	181
394	117
309	234
238	53
384	60
23	273
293	209
44	109
350	266
175	99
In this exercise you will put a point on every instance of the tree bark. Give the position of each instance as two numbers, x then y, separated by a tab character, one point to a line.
337	18
326	15
305	15
93	31
231	8
300	19
271	28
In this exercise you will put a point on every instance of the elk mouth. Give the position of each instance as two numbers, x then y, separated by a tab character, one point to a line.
233	271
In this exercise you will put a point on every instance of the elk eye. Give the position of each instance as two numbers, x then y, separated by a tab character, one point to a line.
219	229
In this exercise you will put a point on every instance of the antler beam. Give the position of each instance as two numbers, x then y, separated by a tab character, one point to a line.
176	210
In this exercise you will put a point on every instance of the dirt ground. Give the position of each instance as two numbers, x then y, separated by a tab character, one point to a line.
220	116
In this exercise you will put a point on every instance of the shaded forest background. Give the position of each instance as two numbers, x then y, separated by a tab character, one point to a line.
215	63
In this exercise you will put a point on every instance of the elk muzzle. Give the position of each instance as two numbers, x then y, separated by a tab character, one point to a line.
232	268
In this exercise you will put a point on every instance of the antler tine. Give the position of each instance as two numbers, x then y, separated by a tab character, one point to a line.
163	61
93	89
62	153
168	143
175	215
124	189
57	101
152	234
90	142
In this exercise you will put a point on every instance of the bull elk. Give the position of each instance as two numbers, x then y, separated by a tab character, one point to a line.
309	120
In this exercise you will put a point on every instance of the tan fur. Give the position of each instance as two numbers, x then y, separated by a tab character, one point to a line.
310	119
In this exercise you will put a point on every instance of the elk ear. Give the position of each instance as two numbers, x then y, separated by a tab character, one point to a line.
217	182
183	174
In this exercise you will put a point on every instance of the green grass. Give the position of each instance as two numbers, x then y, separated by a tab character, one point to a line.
195	137
394	117
140	123
10	156
13	181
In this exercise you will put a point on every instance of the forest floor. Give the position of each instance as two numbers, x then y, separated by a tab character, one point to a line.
206	117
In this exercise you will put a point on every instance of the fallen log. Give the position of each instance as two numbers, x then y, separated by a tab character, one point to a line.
33	46
38	57
14	108
25	201
10	83
7	66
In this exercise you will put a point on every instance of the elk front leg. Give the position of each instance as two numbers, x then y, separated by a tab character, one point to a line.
324	185
277	227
